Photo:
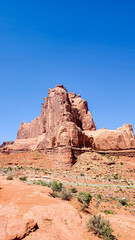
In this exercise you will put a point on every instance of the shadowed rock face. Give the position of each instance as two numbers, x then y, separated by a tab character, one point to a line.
63	120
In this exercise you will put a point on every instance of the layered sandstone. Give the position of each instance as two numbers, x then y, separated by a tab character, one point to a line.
65	122
62	124
64	117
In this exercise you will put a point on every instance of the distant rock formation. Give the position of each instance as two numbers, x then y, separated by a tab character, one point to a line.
61	125
5	144
64	117
64	123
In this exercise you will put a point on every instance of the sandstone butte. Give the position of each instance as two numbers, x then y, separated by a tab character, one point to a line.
64	124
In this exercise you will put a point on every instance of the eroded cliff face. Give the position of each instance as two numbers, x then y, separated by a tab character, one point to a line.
64	123
64	118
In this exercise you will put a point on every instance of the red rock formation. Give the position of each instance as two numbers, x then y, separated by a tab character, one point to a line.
120	139
64	117
64	123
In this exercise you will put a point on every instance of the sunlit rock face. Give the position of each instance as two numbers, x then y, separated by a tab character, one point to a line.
66	123
64	118
120	139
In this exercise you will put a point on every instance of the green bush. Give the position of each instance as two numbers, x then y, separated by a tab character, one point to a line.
23	178
56	186
73	190
43	183
84	197
10	169
100	227
123	202
40	182
82	174
108	211
99	196
19	167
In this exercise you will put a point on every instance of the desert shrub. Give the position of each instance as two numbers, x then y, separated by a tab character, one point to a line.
10	169
36	182
56	195
108	211
40	182
100	227
5	171
99	196
121	163
56	186
115	177
73	190
43	183
130	204
19	167
82	174
10	177
65	195
37	169
84	198
23	178
123	202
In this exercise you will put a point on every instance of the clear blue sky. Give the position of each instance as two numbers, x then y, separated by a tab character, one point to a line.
88	46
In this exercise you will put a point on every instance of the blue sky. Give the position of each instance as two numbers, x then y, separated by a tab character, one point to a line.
88	46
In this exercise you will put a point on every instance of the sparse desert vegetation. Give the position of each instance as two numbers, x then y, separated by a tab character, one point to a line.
100	227
90	193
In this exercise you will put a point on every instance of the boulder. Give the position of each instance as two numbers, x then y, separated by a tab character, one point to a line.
16	228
